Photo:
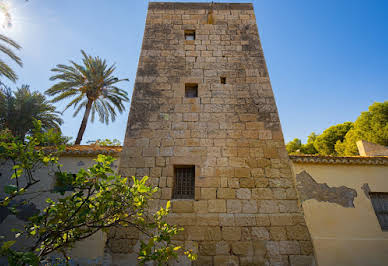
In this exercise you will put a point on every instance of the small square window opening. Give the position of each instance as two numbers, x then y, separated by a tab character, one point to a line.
380	205
189	35
191	90
223	80
184	182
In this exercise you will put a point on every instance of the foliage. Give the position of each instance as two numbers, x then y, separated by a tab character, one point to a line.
309	148
297	147
92	87
19	109
294	146
100	200
105	142
25	156
370	126
325	143
5	69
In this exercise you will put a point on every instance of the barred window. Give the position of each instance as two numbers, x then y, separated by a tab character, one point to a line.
184	182
380	205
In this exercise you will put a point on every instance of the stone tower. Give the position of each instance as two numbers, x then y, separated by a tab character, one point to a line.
204	126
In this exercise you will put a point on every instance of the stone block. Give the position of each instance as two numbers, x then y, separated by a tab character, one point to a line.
194	233
231	233
244	248
182	206
207	248
204	261
226	193
245	219
298	232
288	206
259	233
299	260
234	206
268	206
200	206
262	193
247	182
226	261
272	248
182	218
243	193
208	193
289	247
306	247
278	233
242	172
226	219
217	205
208	219
213	233
249	206
222	248
262	220
261	182
281	219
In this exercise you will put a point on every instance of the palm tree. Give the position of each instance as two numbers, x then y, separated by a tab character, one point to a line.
19	109
6	70
92	86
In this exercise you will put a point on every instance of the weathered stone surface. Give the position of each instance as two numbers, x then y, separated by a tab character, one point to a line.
242	248
226	260
217	206
182	206
298	260
231	233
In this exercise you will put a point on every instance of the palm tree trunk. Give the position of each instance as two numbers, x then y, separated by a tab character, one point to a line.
84	122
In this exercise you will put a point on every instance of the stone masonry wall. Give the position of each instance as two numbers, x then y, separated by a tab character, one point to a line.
245	210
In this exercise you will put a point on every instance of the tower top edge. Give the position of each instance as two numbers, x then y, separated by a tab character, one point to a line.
194	5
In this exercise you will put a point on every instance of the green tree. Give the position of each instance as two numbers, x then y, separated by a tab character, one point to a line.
92	87
294	146
309	148
325	143
6	70
371	125
99	200
19	109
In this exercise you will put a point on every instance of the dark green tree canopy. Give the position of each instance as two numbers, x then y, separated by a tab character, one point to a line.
325	143
370	126
19	110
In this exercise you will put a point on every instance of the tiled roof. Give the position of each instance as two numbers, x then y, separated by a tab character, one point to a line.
376	160
93	150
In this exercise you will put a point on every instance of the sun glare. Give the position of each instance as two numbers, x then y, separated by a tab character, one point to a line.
5	15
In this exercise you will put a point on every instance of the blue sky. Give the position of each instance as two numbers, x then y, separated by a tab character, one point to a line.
327	60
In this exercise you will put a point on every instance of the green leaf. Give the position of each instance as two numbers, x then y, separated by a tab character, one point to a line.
8	244
10	189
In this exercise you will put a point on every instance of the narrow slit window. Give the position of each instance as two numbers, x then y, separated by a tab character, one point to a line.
191	90
223	80
184	182
380	205
189	35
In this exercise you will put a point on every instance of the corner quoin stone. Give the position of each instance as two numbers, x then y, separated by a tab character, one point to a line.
245	208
